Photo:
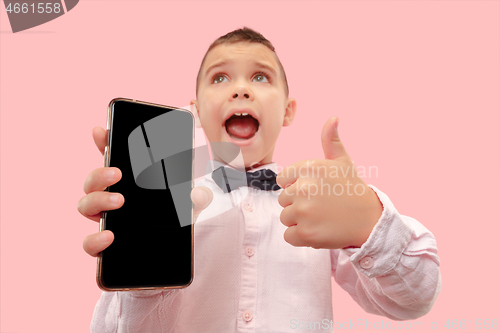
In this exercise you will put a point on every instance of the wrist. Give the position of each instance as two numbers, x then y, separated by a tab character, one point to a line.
374	210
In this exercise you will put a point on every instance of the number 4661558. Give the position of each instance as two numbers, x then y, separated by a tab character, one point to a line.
43	7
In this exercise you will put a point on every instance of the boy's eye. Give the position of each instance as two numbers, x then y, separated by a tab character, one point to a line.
218	78
261	77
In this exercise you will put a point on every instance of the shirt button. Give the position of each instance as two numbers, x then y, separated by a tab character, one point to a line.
248	208
249	251
366	262
247	315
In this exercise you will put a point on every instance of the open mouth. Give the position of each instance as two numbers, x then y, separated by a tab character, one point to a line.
241	126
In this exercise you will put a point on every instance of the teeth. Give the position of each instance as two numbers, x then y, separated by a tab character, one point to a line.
240	114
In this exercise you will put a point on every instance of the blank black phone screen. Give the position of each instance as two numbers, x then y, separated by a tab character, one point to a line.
153	148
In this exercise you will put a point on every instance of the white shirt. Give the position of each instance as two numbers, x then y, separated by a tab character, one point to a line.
248	279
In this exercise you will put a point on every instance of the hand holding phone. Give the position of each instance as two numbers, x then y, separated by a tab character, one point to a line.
97	200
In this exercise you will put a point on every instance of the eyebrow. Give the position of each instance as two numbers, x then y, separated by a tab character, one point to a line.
256	63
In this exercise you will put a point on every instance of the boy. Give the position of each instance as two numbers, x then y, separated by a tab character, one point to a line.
265	264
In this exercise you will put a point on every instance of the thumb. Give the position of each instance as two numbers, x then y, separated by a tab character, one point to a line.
202	197
100	136
332	146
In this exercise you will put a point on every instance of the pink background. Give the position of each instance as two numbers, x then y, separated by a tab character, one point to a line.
414	83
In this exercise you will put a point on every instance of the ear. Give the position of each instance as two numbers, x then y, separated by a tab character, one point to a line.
194	109
291	108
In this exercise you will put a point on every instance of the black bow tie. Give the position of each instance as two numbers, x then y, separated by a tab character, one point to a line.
230	179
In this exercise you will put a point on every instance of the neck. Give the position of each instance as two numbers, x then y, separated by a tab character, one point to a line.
254	166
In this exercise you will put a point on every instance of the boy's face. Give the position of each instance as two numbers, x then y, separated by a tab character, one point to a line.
243	78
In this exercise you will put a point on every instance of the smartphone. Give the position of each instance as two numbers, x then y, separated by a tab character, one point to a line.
152	145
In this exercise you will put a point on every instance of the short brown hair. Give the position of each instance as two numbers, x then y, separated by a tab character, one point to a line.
242	35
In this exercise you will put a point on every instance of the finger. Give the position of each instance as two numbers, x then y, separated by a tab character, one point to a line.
287	216
96	243
291	236
201	196
287	196
101	178
100	136
330	140
94	203
95	218
291	173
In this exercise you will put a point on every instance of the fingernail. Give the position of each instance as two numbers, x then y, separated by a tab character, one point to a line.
104	237
114	198
110	173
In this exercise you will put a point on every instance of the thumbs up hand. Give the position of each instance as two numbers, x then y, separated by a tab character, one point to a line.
326	204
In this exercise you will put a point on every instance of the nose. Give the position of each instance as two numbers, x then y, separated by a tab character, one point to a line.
241	91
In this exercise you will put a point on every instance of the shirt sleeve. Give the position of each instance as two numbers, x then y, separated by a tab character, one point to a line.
136	311
395	273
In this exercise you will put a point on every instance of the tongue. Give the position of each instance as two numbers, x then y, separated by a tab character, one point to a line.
241	127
